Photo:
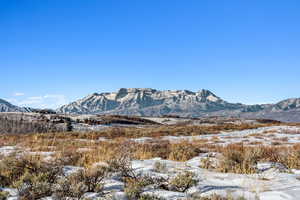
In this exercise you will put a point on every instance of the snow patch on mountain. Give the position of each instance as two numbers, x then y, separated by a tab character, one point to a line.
147	101
5	106
186	103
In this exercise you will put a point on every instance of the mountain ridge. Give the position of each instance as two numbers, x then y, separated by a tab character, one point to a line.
5	106
152	102
138	98
185	103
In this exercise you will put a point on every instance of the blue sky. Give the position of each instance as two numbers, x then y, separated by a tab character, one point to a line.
55	51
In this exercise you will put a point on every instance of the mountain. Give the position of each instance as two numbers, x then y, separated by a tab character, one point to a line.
185	103
287	104
8	107
151	102
287	110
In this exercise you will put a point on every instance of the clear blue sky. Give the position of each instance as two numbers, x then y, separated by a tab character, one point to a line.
55	51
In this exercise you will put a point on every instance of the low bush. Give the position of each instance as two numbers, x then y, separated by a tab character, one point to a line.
33	186
15	168
68	187
93	178
243	159
3	195
4	181
183	181
240	159
183	151
155	148
68	157
122	164
207	163
81	182
134	187
30	175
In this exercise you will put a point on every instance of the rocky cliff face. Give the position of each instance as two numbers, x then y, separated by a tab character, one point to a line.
151	102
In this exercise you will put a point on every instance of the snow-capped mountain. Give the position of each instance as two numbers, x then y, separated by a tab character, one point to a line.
287	104
287	110
151	102
8	107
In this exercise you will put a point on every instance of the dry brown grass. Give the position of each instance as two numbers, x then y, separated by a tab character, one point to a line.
86	152
255	143
155	131
237	157
55	139
270	132
69	151
242	159
65	142
85	149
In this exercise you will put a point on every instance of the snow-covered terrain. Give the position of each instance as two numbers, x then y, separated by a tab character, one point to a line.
260	136
272	182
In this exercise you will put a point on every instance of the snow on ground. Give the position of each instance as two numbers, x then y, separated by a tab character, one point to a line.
167	120
13	193
274	182
264	135
67	170
85	127
6	150
270	184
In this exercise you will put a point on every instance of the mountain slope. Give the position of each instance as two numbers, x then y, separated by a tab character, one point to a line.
287	104
151	102
287	110
8	107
